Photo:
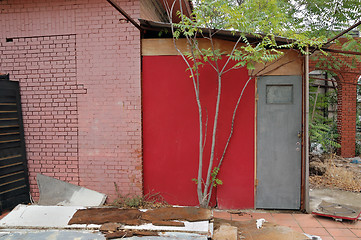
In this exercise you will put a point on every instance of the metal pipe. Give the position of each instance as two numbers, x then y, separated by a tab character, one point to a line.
339	71
339	35
305	137
344	32
341	51
129	18
330	80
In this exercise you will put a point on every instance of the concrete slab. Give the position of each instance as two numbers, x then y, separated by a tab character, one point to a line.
56	192
27	234
338	211
42	217
50	234
334	196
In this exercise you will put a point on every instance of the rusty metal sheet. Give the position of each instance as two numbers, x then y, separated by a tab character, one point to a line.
338	211
191	214
107	215
136	217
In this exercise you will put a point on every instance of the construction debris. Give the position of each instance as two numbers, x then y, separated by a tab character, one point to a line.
259	222
313	237
248	230
32	218
107	215
158	217
226	232
56	192
190	214
110	227
338	211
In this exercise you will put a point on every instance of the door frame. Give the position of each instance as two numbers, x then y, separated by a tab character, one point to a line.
304	195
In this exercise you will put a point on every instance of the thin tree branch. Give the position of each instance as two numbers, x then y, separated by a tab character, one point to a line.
196	90
229	57
215	123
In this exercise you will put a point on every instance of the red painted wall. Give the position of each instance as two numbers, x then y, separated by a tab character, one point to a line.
170	132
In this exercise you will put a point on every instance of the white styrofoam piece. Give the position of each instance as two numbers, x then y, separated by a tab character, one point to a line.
201	227
171	236
35	216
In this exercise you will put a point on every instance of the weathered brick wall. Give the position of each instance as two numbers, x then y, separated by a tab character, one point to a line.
346	114
346	105
78	65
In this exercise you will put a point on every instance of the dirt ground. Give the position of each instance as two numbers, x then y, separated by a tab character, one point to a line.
332	171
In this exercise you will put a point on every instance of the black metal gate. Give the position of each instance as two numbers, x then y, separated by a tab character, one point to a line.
14	182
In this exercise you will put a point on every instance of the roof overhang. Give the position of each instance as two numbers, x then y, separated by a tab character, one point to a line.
220	34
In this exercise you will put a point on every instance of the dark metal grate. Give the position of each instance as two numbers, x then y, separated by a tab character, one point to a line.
14	182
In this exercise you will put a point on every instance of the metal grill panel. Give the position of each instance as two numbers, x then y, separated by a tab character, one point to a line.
14	182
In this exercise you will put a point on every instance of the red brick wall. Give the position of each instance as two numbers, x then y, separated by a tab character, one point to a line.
346	105
79	71
346	114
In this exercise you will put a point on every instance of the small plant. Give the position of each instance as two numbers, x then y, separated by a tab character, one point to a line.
358	134
325	135
150	200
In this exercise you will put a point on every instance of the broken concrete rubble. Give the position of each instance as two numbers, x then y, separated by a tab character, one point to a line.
317	168
55	192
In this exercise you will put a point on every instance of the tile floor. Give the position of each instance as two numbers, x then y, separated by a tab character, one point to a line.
326	228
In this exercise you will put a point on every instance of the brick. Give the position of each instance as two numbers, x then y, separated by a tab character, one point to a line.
68	86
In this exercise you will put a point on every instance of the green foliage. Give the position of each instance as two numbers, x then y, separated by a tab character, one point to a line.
358	120
358	135
215	180
262	19
321	17
128	201
325	135
149	200
322	128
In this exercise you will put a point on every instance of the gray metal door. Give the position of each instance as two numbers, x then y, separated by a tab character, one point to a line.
279	118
